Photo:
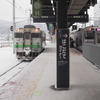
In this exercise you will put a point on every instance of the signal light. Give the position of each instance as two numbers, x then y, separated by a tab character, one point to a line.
90	29
11	28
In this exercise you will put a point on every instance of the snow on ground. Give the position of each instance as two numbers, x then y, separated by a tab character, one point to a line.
7	61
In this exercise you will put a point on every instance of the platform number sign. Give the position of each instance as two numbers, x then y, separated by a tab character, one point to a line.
74	27
37	8
62	58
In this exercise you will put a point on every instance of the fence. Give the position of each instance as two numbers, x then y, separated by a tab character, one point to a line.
6	44
92	53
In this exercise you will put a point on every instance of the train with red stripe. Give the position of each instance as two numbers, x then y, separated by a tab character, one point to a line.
29	42
89	35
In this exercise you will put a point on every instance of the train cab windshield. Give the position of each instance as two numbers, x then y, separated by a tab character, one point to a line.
36	35
27	36
18	35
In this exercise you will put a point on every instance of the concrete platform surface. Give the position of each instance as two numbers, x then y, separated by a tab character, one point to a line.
84	81
35	81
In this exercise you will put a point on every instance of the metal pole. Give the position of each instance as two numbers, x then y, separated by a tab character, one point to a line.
13	24
29	21
30	15
63	80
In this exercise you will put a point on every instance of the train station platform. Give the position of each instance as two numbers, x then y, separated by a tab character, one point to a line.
35	81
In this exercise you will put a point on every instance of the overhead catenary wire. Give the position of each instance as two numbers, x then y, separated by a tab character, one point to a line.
21	7
20	3
17	8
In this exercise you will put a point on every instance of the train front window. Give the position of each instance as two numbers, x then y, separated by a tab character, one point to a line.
18	35
36	35
98	38
27	36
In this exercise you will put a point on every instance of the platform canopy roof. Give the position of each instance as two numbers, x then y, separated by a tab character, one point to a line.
74	7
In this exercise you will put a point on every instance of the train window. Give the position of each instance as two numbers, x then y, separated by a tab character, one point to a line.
98	38
89	36
27	36
36	35
18	35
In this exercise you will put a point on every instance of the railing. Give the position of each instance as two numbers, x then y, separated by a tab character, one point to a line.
6	44
92	53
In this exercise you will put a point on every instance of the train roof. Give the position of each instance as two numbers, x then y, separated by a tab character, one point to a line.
29	26
91	27
87	28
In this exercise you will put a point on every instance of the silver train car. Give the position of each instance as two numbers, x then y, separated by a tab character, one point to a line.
29	42
88	35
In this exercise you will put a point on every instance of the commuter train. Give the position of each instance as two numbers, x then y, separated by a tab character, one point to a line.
29	42
90	35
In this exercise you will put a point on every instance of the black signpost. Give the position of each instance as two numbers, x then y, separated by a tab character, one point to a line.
62	47
63	59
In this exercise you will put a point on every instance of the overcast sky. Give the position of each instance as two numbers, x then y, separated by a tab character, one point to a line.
6	9
22	9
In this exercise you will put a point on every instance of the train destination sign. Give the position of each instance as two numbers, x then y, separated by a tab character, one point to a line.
71	18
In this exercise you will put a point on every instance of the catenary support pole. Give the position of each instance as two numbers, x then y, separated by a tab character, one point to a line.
30	15
13	24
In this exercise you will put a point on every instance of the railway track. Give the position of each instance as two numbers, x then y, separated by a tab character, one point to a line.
10	73
10	68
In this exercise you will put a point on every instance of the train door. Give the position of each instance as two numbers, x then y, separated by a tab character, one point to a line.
90	37
97	39
36	42
27	40
27	43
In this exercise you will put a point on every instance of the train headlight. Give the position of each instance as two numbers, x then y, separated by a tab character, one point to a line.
36	30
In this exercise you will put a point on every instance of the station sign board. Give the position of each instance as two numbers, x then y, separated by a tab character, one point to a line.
37	8
71	18
78	18
50	26
48	19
